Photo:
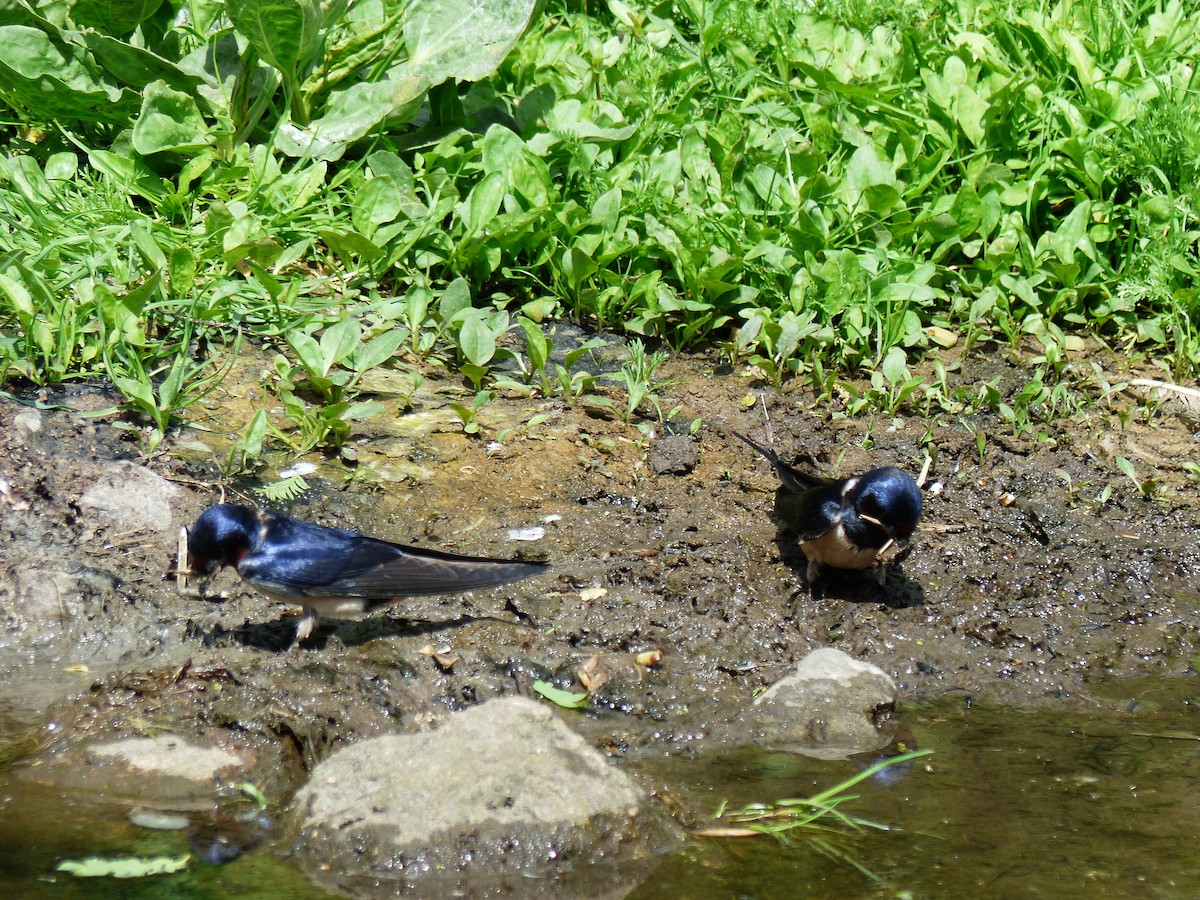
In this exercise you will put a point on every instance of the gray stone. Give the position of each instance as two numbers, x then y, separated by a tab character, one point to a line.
170	756
132	497
163	772
30	420
504	788
674	455
832	706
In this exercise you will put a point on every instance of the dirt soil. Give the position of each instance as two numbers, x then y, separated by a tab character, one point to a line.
1020	588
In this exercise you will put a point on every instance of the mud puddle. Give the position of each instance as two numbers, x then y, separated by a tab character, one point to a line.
1041	575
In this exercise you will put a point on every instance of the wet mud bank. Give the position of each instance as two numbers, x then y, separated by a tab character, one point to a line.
1040	572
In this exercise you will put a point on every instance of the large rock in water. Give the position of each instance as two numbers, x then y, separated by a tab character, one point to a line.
832	706
501	797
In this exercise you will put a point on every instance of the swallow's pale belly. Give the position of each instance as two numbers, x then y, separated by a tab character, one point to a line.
834	549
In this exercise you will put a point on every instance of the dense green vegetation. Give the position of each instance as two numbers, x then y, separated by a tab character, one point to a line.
820	188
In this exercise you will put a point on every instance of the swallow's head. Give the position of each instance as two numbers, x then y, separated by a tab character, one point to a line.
890	499
221	537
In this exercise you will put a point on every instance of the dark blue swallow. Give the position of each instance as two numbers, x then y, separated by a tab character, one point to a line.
846	523
331	571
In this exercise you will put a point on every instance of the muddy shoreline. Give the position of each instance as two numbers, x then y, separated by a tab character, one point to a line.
1022	588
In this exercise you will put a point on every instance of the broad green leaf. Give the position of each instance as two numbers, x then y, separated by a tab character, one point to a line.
483	203
169	387
379	349
169	120
455	298
350	245
116	17
251	439
124	867
132	174
362	410
18	298
476	339
338	341
536	345
181	270
282	31
351	113
140	392
895	366
57	78
869	175
28	178
309	352
1071	234
565	699
462	39
135	66
62	166
505	153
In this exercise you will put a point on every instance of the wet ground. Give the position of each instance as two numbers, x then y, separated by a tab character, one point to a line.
1041	573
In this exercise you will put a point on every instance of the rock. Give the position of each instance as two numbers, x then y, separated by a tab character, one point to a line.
132	497
501	789
30	420
674	455
167	771
832	706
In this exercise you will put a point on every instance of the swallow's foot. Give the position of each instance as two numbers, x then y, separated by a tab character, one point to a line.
308	621
814	570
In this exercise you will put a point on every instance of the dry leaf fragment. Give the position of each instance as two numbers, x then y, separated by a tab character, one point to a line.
591	675
442	657
589	594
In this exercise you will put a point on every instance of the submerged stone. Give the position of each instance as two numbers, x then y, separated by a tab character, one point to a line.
165	771
832	706
501	789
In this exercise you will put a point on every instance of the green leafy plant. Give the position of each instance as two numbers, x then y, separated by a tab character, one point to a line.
313	77
468	416
182	384
820	818
638	376
1150	488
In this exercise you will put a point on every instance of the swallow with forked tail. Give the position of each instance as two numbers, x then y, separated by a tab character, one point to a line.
845	523
332	571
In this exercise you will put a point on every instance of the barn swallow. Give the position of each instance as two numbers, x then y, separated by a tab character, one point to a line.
330	570
845	523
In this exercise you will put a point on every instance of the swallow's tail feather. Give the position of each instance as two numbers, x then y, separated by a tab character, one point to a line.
793	479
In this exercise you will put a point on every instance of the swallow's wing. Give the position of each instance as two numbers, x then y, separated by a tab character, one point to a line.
299	560
809	514
380	570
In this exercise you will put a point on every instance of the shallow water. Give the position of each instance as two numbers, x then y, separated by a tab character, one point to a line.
1065	803
1080	801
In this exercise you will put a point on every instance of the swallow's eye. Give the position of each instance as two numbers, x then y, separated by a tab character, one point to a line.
869	505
